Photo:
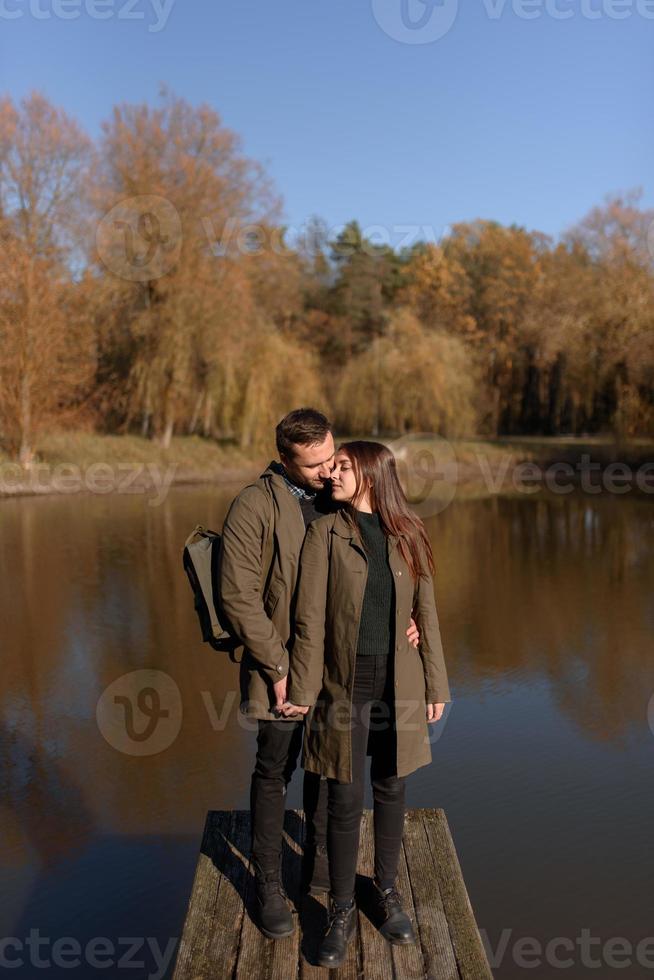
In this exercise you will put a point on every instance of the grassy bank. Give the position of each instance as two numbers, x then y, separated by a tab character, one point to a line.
69	462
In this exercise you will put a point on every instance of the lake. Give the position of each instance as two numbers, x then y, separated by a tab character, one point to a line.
543	762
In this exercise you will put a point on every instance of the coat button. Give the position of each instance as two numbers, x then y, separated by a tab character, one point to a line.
280	668
399	573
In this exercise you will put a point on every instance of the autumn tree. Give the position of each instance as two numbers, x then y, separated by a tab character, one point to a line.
502	267
367	276
619	239
173	189
274	270
438	291
43	158
410	379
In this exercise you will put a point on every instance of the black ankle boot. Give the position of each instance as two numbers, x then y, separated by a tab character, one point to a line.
394	924
340	929
315	869
272	913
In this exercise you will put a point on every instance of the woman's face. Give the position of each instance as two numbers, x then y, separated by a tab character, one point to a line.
344	482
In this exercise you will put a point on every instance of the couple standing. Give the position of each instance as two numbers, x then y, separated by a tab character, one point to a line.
326	578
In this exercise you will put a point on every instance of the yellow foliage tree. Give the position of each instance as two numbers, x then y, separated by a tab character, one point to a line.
410	379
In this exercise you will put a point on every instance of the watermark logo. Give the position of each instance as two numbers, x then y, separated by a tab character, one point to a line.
235	238
140	713
428	470
140	238
415	21
432	474
426	21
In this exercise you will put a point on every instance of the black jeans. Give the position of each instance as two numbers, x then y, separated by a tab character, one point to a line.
278	747
372	713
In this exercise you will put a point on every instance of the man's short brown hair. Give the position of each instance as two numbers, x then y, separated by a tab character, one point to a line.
302	426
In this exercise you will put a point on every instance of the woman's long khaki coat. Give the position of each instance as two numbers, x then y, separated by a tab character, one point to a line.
332	580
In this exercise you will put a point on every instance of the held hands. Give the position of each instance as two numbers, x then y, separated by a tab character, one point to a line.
284	707
279	687
288	710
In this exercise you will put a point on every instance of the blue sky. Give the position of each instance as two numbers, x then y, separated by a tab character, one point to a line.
513	113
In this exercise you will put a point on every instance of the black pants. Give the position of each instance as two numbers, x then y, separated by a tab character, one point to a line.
278	747
372	712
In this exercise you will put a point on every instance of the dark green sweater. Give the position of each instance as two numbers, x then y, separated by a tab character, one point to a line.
375	627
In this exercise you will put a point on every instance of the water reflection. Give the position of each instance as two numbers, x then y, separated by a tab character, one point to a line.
547	618
553	587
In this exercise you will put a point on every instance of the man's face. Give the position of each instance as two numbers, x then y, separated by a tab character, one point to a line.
311	466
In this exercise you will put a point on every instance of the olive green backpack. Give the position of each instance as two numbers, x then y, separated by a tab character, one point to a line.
200	560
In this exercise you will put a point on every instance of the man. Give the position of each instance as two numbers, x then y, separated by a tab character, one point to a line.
263	535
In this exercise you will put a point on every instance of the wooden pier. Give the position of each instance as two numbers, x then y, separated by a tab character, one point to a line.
221	941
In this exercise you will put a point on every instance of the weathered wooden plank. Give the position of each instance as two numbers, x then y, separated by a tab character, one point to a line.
439	958
286	952
409	961
351	968
313	918
468	947
254	949
376	959
224	945
268	959
192	955
220	938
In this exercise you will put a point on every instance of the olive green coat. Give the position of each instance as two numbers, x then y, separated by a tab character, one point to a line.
332	581
258	599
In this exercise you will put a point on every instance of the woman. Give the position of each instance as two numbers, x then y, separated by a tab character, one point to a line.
364	571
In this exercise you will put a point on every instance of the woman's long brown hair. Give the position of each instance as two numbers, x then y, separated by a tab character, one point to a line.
373	462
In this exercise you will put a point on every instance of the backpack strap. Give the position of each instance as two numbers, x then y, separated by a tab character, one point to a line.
269	542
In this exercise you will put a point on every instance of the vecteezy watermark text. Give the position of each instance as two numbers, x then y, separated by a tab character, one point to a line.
563	952
406	21
237	238
426	21
140	238
158	11
559	477
432	474
97	478
140	714
142	953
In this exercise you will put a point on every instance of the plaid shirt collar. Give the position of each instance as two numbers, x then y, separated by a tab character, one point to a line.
293	488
